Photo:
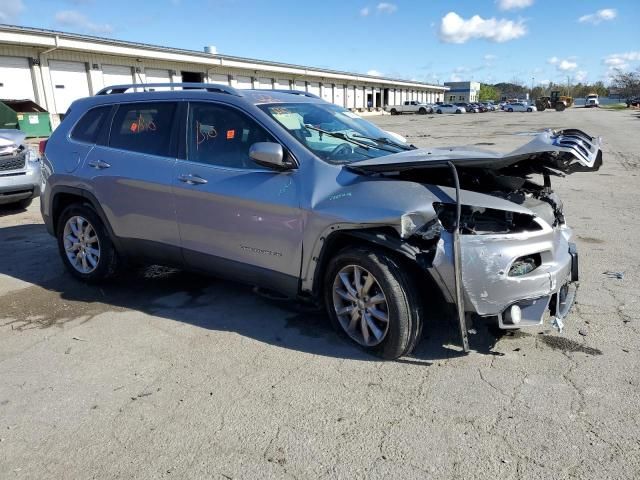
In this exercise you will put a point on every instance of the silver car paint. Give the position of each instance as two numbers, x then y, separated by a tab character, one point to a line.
278	221
14	182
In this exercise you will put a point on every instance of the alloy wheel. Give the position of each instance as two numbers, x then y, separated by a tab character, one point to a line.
360	305
81	244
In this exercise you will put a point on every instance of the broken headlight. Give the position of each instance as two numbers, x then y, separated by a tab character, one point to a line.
485	221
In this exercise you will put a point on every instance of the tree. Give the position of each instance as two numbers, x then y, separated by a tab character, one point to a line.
626	84
487	92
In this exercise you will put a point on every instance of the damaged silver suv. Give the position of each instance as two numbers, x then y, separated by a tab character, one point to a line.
283	190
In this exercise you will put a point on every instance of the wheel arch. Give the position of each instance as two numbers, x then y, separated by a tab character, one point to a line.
385	238
63	196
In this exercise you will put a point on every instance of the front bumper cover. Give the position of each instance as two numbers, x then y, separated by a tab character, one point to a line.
489	290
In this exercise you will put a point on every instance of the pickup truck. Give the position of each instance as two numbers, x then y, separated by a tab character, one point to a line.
410	106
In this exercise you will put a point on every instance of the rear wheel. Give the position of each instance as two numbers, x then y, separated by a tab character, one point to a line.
529	110
373	300
394	111
438	111
422	111
560	107
84	244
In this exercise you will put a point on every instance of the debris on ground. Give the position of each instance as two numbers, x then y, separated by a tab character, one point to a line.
617	275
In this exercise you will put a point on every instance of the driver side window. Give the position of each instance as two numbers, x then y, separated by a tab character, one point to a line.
222	136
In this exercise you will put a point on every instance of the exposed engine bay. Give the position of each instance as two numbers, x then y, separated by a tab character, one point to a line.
522	177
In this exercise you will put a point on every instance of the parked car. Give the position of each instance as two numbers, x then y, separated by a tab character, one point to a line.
288	192
481	107
633	102
19	170
410	106
490	106
449	108
520	107
468	108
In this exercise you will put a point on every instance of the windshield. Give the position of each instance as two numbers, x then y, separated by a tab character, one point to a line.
333	133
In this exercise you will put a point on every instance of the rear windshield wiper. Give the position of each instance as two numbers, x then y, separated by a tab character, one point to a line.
386	141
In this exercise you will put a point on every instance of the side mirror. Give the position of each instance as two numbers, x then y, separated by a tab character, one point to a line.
269	154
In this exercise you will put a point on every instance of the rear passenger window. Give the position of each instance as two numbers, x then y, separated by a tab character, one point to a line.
143	128
87	129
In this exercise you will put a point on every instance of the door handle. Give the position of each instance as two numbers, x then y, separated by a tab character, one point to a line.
192	179
98	164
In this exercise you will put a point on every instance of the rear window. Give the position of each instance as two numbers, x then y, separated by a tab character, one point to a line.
143	128
87	129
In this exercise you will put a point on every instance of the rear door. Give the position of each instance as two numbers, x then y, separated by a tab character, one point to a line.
235	217
130	173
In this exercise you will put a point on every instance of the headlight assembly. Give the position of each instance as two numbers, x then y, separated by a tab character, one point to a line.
485	221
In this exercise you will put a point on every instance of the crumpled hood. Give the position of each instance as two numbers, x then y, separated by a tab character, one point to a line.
568	151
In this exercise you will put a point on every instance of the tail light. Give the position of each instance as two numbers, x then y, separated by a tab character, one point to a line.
41	146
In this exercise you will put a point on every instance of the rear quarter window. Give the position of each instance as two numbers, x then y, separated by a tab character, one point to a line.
88	127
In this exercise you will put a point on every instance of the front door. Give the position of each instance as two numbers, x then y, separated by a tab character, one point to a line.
235	217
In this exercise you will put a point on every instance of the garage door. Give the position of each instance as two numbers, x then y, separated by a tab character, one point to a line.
301	85
153	75
243	82
338	95
327	92
116	75
264	82
360	97
220	78
313	87
69	81
282	84
15	79
351	97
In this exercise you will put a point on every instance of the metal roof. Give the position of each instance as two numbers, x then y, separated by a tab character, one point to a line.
201	54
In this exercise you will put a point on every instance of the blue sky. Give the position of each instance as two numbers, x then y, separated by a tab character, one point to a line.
426	40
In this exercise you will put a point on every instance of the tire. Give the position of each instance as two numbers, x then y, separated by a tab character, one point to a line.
439	111
529	110
422	111
394	111
402	330
560	107
510	110
106	260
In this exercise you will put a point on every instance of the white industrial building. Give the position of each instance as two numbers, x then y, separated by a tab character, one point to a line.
55	68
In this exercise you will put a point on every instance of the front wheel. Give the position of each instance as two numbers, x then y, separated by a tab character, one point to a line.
510	110
84	244
529	110
372	299
394	111
439	111
422	111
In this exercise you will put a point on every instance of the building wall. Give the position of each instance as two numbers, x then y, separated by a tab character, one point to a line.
62	75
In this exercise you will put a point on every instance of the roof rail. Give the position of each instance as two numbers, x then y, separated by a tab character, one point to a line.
209	87
292	92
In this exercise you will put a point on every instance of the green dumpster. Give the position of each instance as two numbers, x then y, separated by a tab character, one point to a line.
26	115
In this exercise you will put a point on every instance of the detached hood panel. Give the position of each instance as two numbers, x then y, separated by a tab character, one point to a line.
564	151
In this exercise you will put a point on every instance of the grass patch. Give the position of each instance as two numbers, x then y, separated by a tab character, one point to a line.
615	106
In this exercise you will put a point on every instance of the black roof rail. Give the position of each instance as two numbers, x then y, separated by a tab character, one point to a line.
209	87
292	92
